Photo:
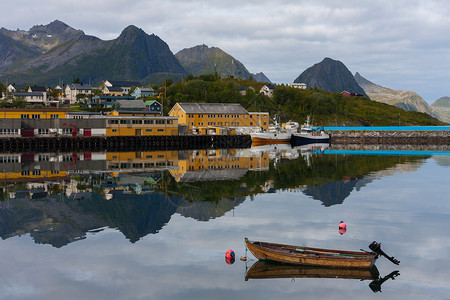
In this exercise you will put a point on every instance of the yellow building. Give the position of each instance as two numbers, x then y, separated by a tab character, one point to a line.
141	126
33	113
214	117
112	91
133	113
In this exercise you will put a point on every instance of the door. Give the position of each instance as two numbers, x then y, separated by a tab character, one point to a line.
87	132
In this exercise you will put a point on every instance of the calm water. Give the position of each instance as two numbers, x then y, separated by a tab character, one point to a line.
156	225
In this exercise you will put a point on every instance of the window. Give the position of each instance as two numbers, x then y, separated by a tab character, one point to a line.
36	116
148	130
113	121
24	116
136	121
43	131
160	130
57	117
148	122
114	130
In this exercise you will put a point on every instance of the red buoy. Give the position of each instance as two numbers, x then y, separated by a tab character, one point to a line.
342	227
229	254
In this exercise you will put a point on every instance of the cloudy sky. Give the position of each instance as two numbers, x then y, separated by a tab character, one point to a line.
401	44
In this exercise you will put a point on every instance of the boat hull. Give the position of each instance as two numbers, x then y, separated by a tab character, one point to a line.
299	255
264	138
298	139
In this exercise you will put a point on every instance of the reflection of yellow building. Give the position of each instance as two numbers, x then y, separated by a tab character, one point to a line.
134	161
141	126
200	116
33	175
219	164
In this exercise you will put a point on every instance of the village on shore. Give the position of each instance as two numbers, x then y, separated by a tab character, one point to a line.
121	109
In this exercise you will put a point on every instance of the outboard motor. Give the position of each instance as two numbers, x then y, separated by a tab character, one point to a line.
376	247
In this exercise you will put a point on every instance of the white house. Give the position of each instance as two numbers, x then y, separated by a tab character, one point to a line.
124	85
72	90
31	97
267	90
297	85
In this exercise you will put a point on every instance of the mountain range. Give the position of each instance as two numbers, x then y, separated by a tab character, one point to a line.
57	53
332	75
49	54
201	60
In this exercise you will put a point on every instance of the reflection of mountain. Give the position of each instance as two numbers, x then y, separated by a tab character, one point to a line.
134	215
335	192
59	221
203	211
332	193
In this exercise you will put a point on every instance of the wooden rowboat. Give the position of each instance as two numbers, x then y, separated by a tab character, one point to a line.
270	270
299	255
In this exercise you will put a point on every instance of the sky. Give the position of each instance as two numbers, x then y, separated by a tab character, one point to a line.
402	45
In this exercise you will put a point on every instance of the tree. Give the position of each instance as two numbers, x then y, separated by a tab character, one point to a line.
77	80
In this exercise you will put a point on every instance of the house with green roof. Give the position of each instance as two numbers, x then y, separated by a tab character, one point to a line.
154	106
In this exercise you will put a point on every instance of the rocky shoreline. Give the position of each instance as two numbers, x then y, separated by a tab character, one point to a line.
390	137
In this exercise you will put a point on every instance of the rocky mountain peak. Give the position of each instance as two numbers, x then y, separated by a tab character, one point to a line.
330	75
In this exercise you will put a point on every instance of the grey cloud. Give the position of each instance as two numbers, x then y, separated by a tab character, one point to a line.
392	43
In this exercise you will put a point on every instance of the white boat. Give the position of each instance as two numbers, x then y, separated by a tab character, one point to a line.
309	135
275	135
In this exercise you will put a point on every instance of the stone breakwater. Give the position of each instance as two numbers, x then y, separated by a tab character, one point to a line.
390	137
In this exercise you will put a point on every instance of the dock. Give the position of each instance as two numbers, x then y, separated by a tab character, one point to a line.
127	143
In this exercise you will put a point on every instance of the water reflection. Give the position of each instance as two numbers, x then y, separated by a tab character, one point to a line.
58	197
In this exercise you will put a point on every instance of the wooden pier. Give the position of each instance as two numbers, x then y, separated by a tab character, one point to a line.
129	143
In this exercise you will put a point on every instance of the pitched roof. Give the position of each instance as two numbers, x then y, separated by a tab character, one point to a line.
146	89
213	108
38	88
271	86
114	88
131	104
24	94
78	86
124	83
150	102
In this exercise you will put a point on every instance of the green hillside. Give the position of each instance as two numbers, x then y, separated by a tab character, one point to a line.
443	102
325	108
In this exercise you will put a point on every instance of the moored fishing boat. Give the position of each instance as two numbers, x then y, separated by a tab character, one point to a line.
300	255
275	135
309	135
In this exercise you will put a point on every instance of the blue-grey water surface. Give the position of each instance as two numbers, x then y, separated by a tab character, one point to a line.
159	245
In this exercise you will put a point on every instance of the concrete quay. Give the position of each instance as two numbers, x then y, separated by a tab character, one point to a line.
390	137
